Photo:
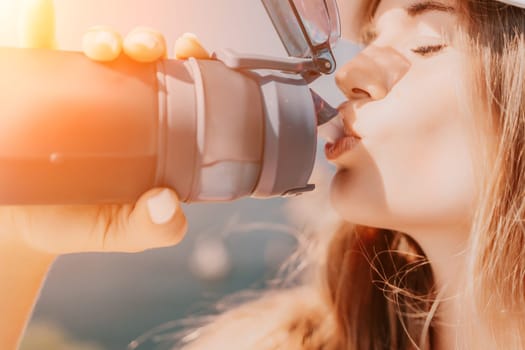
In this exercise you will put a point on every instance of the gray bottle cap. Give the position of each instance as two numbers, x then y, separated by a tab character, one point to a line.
290	139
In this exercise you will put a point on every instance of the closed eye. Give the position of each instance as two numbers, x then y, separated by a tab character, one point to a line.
428	50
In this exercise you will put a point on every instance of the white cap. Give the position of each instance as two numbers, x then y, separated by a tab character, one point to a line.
352	15
518	3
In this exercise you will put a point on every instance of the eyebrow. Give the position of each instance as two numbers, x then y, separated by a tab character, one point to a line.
413	10
426	6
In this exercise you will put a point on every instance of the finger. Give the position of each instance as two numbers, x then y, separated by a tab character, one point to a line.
144	44
155	220
102	44
188	45
37	24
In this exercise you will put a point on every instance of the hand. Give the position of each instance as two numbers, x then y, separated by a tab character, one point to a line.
156	219
143	44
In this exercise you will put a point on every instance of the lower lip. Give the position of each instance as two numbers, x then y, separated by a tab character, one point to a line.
340	147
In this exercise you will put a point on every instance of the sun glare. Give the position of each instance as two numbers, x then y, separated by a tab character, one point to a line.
8	21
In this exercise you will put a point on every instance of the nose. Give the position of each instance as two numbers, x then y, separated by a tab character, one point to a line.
372	73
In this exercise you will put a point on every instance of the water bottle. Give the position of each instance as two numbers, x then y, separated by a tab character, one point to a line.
75	131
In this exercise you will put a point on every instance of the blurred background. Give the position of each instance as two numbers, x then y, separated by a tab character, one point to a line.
105	301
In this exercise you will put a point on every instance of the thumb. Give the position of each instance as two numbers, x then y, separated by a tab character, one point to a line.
36	24
156	220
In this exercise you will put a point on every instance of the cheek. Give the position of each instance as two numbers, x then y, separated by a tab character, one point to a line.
414	166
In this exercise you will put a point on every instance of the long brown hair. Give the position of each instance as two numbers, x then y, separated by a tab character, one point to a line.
494	40
381	289
496	35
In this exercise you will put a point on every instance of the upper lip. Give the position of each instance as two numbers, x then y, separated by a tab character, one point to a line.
344	112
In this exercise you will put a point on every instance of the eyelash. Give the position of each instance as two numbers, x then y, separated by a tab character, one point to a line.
428	50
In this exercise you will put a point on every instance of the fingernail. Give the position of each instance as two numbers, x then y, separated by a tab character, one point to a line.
144	45
162	207
190	36
102	44
108	39
188	45
144	39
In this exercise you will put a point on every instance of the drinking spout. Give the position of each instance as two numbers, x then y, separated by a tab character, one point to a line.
323	110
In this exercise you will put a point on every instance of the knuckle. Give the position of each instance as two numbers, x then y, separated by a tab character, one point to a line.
111	226
104	221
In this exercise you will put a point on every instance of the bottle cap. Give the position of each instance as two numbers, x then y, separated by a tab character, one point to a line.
307	28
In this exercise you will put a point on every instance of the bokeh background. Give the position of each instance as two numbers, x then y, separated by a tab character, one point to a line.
104	301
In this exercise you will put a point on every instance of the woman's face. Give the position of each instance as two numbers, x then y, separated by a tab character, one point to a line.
412	170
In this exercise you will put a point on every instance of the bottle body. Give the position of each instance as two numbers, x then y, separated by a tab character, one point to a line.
74	131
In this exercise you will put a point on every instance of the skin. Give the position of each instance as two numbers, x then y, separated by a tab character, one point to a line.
413	170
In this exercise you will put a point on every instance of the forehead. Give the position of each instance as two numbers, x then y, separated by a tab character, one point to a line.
357	14
382	6
352	15
389	4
